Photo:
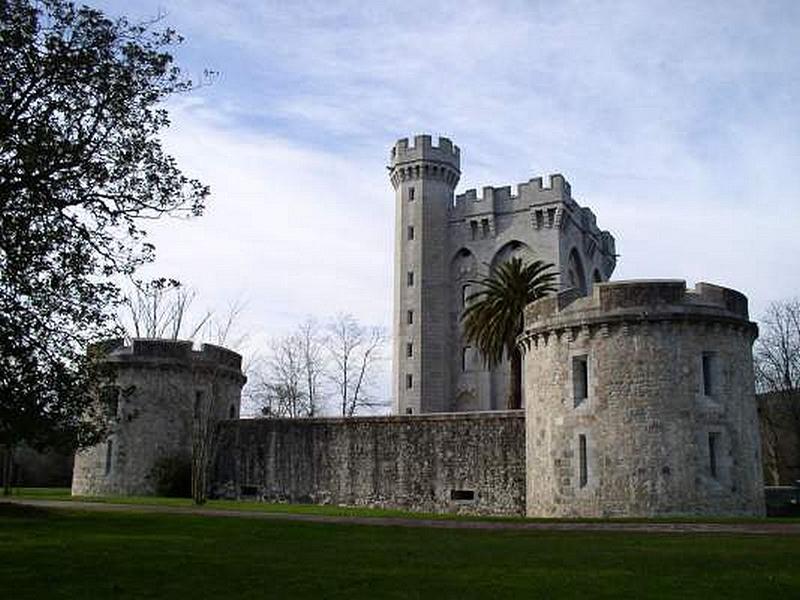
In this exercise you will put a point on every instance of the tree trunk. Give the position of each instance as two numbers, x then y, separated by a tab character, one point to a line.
8	469
515	383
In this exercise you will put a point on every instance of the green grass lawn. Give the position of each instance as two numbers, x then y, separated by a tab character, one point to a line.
350	511
69	553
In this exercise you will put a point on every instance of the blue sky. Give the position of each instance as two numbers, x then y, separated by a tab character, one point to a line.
676	122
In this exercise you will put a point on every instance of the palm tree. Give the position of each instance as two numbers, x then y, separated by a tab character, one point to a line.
494	316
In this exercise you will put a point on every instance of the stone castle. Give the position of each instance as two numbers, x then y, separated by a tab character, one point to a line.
443	242
639	395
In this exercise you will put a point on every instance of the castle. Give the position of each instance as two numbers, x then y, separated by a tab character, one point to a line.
442	243
639	394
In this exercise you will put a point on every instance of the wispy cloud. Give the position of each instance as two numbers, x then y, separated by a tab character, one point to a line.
675	121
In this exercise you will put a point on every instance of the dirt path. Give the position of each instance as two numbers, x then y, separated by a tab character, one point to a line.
761	528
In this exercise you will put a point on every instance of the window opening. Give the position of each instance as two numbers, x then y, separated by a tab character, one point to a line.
709	362
411	193
409	381
580	379
584	468
410	232
713	448
109	452
410	278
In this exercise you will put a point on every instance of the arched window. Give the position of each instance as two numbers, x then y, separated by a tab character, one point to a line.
576	277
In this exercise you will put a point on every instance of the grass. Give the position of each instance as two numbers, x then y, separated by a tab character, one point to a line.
351	511
68	553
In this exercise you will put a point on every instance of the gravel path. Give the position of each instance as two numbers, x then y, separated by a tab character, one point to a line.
760	528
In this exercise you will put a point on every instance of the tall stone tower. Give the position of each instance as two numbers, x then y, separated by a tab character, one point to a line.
444	242
424	177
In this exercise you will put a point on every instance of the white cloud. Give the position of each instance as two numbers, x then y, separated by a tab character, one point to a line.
676	122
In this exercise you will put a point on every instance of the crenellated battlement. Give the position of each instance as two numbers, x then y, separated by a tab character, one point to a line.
160	351
533	191
638	300
425	150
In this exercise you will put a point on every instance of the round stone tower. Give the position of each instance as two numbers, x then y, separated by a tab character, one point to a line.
640	402
424	177
164	390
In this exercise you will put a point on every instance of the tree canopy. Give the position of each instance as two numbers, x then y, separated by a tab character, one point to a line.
81	168
493	318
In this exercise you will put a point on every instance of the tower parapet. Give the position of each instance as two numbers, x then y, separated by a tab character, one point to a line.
424	159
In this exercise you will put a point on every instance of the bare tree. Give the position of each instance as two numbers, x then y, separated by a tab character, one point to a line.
287	383
777	370
355	352
160	308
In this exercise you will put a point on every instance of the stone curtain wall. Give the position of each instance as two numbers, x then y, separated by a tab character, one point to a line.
466	463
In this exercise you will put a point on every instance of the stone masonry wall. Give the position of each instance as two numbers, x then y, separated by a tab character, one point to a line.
465	463
655	432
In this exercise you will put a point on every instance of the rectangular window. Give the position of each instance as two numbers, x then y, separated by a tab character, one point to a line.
465	355
580	379
198	401
465	292
409	349
410	317
539	219
473	227
411	193
409	381
709	363
109	452
462	495
410	278
713	449
485	228
583	475
109	397
551	217
410	233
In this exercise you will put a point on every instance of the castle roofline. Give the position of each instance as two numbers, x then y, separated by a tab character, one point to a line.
161	352
425	150
638	300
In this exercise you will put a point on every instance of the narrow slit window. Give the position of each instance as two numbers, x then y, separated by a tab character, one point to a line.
409	381
410	278
410	317
109	453
539	219
198	401
551	217
232	412
411	193
473	227
583	475
410	232
709	364
485	228
580	379
713	450
409	349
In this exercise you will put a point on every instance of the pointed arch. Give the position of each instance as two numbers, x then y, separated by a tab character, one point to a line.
464	265
576	276
512	249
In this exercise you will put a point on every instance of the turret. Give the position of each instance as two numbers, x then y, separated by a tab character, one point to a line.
424	176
